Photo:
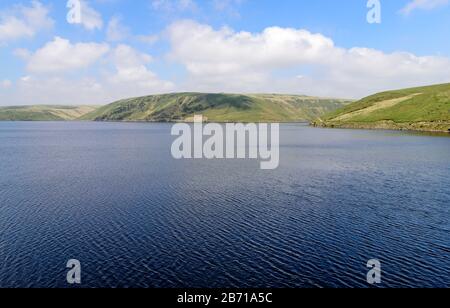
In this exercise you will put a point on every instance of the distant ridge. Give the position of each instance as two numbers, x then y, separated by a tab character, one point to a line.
44	113
217	108
421	109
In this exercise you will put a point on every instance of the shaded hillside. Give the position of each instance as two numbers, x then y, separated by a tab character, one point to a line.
217	108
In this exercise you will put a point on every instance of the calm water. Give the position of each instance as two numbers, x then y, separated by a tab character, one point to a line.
111	196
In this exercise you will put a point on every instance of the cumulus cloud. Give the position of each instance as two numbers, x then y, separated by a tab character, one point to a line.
422	5
122	72
90	18
24	21
131	72
277	59
61	55
272	60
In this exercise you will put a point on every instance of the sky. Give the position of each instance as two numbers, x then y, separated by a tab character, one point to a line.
53	53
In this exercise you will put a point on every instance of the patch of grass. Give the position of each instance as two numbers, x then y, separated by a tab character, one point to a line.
424	105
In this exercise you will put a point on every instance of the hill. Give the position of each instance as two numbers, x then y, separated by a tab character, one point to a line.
217	108
44	113
422	109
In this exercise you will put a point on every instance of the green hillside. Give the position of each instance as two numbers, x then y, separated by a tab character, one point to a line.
44	113
423	108
217	108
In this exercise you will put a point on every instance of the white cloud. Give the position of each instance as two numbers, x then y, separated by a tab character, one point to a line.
61	55
270	61
123	72
276	59
24	21
132	73
422	5
116	31
90	18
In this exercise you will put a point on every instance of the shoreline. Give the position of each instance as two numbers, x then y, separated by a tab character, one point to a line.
426	127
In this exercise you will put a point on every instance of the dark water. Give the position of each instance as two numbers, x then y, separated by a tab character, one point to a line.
111	196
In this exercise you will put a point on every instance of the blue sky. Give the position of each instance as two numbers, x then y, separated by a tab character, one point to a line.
124	48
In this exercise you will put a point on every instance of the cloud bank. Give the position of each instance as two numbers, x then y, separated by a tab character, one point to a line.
200	58
293	60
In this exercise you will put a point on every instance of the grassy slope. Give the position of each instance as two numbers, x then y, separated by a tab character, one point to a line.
217	108
423	108
44	113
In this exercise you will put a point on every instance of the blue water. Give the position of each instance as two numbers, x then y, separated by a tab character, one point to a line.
111	196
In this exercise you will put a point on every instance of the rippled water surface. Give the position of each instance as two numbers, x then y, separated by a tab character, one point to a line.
111	196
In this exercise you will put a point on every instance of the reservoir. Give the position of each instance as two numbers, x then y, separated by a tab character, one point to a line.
111	196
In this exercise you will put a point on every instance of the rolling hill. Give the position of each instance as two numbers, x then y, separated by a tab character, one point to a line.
422	109
217	108
44	113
